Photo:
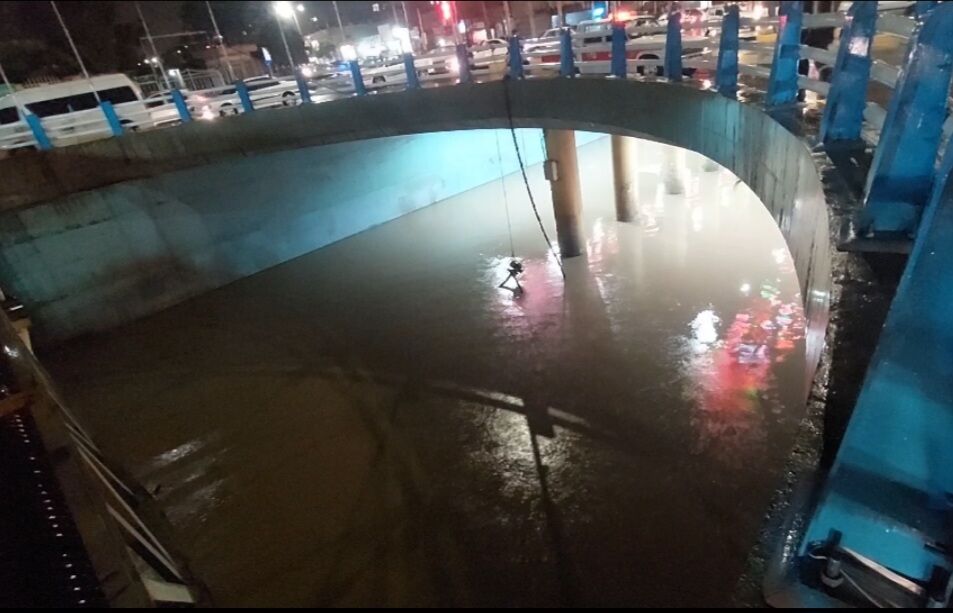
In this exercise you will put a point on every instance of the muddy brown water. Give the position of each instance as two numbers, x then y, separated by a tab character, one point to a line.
377	423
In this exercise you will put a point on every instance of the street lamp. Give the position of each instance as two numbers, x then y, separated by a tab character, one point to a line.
284	10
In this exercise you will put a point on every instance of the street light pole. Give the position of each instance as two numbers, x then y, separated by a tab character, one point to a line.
152	44
284	41
72	45
337	14
221	42
424	41
294	17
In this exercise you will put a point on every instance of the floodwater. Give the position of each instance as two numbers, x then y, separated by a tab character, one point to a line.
377	423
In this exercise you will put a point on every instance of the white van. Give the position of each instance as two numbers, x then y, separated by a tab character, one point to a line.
62	106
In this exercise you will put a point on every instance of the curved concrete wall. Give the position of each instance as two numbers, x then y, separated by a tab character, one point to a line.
102	257
774	162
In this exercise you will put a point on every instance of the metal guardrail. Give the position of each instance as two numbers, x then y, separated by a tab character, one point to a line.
113	516
644	47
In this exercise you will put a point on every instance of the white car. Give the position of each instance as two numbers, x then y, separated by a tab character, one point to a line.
593	53
264	92
490	51
379	73
162	108
384	72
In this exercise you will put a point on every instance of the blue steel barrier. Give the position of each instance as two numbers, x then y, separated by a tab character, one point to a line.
515	54
244	96
567	60
618	60
115	126
782	84
847	99
181	106
889	495
726	73
39	133
924	6
357	78
463	61
411	71
673	48
902	170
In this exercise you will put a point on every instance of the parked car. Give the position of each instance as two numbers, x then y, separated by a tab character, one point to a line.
486	53
592	52
162	107
548	39
264	91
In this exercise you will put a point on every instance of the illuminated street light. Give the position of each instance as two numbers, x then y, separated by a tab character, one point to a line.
284	10
300	8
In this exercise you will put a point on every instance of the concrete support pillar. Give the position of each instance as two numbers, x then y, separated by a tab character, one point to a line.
562	171
671	175
624	178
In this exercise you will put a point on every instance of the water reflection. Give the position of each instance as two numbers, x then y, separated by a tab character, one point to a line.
378	422
733	373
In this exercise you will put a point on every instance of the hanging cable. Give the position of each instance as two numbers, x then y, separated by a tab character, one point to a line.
529	191
506	203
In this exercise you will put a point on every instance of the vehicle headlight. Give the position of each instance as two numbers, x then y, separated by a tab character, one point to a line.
207	112
454	65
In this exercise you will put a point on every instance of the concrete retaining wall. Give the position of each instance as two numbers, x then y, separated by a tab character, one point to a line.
96	259
776	163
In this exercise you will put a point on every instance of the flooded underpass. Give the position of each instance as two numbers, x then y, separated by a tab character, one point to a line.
378	423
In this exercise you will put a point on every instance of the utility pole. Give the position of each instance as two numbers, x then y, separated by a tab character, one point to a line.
152	44
72	45
221	42
337	14
424	39
284	41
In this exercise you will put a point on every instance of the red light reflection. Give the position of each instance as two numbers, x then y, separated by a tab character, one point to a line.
734	384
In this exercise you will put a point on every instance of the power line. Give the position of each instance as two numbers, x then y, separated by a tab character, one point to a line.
529	191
